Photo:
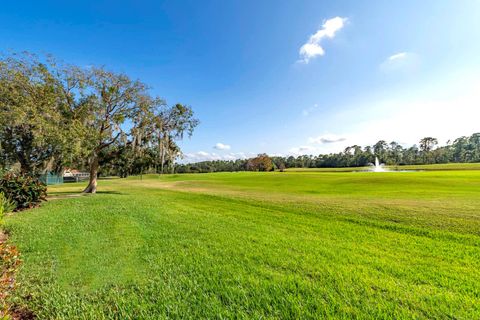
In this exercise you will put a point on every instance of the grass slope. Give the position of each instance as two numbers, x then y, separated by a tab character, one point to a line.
256	245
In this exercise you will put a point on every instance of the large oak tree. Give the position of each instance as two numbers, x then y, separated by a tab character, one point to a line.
118	106
37	112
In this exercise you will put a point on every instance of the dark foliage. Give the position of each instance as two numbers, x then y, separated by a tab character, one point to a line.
25	191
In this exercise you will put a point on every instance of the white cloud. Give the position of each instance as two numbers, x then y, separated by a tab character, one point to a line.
400	62
312	47
327	138
397	56
206	156
301	150
276	154
221	146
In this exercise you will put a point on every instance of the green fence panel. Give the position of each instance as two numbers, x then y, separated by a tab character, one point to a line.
50	178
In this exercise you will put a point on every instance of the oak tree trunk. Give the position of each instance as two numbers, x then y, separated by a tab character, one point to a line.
92	184
162	157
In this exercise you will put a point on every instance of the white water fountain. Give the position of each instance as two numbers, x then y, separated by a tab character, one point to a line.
378	167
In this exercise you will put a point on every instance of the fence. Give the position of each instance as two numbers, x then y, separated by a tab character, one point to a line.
50	178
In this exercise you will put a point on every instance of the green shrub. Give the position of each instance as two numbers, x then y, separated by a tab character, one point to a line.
6	205
24	191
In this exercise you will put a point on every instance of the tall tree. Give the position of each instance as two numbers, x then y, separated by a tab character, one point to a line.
426	146
395	153
115	103
172	124
380	148
37	104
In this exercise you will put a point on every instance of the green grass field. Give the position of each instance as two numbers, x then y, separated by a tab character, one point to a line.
343	245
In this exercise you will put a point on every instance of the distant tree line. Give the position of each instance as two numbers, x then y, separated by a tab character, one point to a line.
463	149
54	116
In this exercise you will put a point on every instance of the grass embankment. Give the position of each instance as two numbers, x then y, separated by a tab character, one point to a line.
256	245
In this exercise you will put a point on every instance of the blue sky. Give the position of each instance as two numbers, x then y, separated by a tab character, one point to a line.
368	70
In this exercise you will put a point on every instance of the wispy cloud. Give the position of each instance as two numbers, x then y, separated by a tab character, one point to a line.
312	48
327	138
202	154
401	61
207	156
221	146
397	56
301	150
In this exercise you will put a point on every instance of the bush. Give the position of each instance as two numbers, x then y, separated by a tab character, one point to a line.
24	191
6	205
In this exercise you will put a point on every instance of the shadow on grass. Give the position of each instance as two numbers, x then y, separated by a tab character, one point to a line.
109	192
75	194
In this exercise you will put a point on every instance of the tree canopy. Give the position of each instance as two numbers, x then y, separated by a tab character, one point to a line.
54	115
36	117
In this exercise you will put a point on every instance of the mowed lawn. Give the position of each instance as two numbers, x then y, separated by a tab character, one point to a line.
342	245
